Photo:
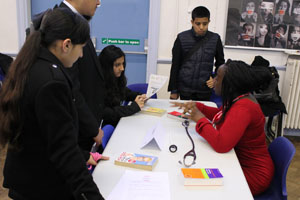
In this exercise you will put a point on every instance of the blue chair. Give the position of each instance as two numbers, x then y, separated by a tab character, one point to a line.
282	152
140	87
215	98
108	131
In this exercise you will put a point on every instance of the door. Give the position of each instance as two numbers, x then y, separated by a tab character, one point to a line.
123	23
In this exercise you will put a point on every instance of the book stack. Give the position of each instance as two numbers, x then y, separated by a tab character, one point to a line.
202	176
153	111
138	161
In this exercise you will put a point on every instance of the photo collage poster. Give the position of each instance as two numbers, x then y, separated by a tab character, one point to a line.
263	24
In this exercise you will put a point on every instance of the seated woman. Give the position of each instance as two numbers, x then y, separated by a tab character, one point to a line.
113	62
239	124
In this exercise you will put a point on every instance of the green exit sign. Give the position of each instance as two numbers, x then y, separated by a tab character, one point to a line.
119	41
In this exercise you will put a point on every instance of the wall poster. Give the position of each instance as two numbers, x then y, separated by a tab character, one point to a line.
263	24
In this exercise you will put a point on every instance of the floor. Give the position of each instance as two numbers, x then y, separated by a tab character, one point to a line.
293	185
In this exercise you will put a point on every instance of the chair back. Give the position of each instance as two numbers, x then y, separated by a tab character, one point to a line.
108	131
140	87
282	152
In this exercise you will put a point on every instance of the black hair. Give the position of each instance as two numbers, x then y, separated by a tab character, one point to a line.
245	2
114	85
268	27
200	12
295	3
248	24
288	6
57	24
281	26
240	78
291	29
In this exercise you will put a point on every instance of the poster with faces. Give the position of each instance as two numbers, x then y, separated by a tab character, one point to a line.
246	37
263	24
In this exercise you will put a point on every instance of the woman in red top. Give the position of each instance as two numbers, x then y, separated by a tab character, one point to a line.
239	124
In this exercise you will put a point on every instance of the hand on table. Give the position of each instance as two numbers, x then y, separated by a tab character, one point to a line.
140	100
95	158
189	107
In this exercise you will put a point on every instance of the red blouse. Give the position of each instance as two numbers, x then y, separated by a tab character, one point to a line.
243	130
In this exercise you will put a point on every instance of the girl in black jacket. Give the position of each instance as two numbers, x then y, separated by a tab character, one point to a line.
113	61
38	116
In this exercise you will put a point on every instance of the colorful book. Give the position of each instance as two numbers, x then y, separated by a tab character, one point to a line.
176	115
153	111
202	176
134	160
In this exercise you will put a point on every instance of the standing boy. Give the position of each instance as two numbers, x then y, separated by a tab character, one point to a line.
88	78
193	52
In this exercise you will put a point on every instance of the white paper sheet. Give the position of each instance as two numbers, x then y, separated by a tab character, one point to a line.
140	185
155	134
156	82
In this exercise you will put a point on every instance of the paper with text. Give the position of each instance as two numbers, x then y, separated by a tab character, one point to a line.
156	82
155	134
140	185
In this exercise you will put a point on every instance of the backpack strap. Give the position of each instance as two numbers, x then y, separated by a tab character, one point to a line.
192	50
195	48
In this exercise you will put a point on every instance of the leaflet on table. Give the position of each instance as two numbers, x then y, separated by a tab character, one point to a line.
155	137
156	82
142	186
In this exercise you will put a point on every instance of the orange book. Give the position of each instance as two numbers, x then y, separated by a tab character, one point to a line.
202	176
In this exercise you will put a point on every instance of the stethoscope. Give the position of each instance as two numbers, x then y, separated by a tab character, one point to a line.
191	153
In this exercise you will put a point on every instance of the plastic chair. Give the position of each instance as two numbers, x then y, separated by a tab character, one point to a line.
140	87
215	98
108	131
282	152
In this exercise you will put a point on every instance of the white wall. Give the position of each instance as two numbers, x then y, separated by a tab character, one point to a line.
14	19
176	16
8	27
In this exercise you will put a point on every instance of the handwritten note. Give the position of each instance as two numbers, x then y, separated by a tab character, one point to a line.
140	185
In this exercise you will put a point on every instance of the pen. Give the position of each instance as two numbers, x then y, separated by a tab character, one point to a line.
83	196
95	147
101	123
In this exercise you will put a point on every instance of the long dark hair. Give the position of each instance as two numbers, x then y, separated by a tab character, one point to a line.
240	78
114	85
57	24
287	9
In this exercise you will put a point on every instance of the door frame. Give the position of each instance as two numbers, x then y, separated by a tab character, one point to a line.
24	19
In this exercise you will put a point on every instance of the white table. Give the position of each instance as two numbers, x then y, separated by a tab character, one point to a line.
128	137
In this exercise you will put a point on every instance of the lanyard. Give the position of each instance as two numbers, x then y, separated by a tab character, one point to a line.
218	116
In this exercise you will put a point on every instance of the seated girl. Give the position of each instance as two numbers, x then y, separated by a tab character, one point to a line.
239	124
113	62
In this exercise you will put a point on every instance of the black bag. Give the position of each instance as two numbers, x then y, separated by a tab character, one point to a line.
270	93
